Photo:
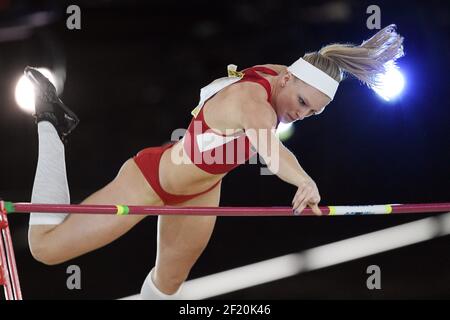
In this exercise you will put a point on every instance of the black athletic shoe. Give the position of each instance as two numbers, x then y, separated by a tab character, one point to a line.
48	106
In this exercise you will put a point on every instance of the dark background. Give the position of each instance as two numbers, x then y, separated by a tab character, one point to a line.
133	74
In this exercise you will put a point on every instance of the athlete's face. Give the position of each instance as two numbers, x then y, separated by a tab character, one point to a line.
297	100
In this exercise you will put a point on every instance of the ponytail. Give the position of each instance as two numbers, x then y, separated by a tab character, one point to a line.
365	62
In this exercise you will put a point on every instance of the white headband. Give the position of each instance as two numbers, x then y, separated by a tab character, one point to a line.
314	77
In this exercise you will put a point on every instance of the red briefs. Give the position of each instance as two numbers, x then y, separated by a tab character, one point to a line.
148	162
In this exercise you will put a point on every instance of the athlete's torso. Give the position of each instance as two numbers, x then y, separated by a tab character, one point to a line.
214	143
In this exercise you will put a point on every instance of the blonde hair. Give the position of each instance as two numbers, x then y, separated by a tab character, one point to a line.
365	62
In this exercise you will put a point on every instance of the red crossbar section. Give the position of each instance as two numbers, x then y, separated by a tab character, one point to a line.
216	211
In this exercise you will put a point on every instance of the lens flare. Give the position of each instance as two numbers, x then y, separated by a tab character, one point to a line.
24	92
391	83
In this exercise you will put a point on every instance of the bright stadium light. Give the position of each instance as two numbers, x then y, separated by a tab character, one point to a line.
25	91
391	83
285	131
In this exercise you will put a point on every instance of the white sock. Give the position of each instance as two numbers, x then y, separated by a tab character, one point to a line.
50	183
150	292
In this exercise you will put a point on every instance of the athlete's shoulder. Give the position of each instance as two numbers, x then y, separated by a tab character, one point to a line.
256	111
253	89
248	91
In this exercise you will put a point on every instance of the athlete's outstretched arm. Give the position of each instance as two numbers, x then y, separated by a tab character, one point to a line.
259	122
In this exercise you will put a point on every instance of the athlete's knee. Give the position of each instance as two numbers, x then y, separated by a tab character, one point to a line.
39	246
42	253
